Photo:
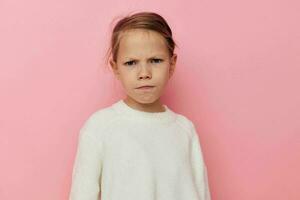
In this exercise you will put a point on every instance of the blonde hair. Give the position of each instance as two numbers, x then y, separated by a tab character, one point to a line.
141	20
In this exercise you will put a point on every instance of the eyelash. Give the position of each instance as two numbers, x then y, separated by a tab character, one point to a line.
156	59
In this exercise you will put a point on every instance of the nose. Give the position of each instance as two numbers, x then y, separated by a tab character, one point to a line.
144	72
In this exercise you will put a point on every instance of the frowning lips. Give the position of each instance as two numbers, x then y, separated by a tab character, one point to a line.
145	86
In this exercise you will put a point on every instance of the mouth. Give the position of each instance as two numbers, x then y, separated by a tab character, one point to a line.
145	87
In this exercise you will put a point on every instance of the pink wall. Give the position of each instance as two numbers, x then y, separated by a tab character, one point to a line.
237	78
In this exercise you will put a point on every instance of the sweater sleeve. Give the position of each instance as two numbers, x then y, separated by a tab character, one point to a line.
199	168
87	166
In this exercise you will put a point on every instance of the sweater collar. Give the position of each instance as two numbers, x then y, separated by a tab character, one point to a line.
142	116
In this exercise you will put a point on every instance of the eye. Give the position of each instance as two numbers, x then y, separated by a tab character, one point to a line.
129	62
157	60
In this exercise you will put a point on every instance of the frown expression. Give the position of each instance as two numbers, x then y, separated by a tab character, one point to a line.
143	59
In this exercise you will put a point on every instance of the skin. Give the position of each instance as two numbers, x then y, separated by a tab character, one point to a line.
143	59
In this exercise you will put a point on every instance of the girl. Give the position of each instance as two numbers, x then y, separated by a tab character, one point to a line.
138	148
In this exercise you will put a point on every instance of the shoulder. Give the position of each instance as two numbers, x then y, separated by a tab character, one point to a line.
186	123
190	128
98	121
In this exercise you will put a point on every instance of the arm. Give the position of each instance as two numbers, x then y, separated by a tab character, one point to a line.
199	168
87	166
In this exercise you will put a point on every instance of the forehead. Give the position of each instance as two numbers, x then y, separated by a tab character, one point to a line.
139	43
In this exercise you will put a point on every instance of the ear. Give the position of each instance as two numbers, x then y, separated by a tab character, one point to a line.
173	61
114	67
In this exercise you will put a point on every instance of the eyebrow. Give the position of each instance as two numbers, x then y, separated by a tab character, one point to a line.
157	56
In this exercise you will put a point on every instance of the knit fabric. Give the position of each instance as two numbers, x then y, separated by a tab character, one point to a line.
127	154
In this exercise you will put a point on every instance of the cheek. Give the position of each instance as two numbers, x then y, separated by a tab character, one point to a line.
128	80
162	73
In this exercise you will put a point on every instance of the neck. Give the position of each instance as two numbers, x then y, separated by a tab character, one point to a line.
155	106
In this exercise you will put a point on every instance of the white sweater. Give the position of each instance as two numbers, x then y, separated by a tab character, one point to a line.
128	154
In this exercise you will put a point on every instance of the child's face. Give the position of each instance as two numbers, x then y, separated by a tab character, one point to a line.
143	59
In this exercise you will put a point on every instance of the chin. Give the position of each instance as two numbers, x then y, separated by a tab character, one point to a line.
145	100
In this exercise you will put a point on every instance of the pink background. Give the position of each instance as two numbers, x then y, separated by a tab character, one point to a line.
237	78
